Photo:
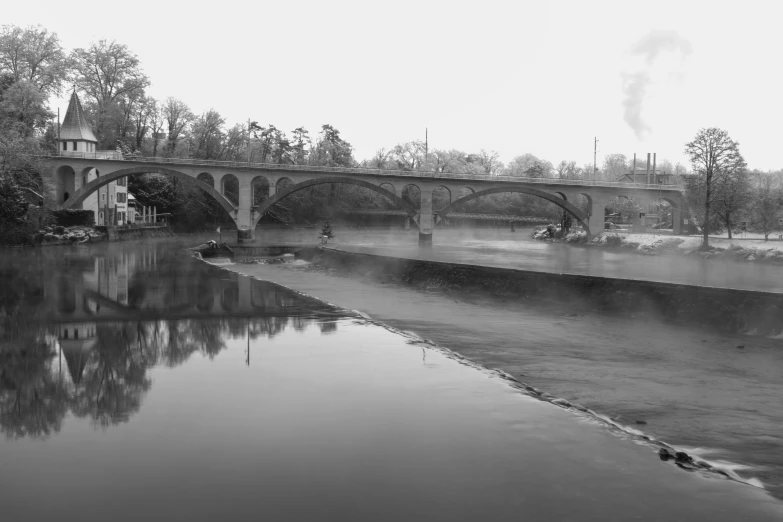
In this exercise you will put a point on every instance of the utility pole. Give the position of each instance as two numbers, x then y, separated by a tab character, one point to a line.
59	147
595	154
426	147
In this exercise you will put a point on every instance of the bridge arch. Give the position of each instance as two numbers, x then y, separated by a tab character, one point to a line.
441	197
389	187
553	198
264	206
83	193
207	179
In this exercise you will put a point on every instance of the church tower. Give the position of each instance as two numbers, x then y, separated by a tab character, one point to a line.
75	133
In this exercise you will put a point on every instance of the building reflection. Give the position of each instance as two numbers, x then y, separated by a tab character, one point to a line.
80	332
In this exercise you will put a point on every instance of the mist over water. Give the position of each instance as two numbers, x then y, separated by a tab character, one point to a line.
506	249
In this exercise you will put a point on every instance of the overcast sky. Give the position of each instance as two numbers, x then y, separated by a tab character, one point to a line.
542	77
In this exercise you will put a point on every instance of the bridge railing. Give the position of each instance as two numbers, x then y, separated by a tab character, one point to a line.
430	175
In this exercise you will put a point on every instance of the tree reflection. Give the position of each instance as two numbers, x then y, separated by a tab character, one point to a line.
33	402
113	386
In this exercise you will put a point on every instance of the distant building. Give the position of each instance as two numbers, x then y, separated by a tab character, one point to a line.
644	174
109	203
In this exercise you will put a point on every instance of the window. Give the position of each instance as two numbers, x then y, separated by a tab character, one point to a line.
65	145
122	197
74	145
75	333
100	217
66	333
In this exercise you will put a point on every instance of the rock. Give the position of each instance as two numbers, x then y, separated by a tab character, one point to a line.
49	237
664	454
681	456
641	422
59	230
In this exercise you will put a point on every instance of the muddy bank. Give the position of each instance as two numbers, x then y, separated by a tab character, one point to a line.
727	310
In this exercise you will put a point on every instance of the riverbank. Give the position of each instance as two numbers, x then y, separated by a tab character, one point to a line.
713	395
752	249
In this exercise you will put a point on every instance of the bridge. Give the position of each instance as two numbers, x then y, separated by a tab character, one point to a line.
67	174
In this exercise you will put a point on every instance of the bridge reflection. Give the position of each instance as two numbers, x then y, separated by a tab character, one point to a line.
80	328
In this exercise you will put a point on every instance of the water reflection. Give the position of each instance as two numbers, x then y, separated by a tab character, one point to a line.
80	329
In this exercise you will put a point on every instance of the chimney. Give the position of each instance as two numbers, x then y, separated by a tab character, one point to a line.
648	168
655	179
633	172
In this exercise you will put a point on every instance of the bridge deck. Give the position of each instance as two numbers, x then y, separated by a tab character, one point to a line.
119	158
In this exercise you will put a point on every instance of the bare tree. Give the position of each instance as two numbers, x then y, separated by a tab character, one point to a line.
715	158
178	116
767	198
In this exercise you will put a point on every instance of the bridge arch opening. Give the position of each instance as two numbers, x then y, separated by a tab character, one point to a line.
411	194
104	179
207	179
389	187
504	191
335	183
441	197
65	182
230	186
260	186
283	184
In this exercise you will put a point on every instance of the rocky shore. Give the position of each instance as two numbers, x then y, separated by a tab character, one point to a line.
753	250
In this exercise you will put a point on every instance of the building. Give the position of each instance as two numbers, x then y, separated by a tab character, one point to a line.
643	174
109	203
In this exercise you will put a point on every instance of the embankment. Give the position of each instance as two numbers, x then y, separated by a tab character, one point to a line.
131	234
728	310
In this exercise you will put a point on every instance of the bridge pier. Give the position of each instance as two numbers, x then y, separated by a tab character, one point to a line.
597	216
426	220
677	220
244	218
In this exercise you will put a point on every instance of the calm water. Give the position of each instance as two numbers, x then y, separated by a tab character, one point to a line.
139	384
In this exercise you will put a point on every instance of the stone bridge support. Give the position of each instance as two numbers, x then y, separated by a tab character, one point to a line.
245	220
426	219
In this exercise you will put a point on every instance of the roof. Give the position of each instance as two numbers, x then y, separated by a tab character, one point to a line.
75	126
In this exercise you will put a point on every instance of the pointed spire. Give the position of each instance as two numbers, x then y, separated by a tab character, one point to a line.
75	126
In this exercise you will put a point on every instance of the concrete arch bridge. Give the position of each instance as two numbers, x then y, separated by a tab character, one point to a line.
263	185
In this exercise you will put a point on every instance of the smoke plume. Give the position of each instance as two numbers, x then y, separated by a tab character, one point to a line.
636	83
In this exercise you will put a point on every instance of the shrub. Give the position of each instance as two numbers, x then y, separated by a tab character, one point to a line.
74	217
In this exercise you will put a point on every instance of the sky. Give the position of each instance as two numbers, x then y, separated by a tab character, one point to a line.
516	77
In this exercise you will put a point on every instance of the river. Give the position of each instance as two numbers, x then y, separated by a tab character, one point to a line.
139	383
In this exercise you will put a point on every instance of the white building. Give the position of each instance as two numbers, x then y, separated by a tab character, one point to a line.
109	203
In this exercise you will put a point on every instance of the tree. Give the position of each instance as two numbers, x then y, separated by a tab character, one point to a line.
568	170
615	166
178	116
23	109
107	72
13	205
734	196
766	202
300	144
332	150
207	135
409	155
527	165
715	158
33	55
157	120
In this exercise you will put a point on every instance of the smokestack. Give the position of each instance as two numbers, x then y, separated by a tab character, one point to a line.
633	172
655	180
648	168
